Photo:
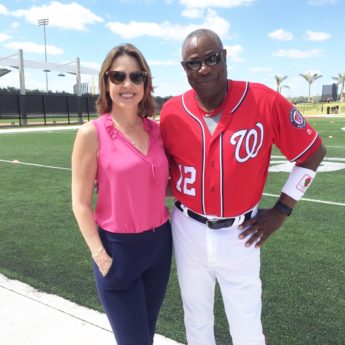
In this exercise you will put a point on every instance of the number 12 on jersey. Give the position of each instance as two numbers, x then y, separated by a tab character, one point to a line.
186	180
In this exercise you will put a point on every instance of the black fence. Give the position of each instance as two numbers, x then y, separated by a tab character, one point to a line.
45	109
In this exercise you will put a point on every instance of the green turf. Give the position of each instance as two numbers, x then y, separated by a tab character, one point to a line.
302	264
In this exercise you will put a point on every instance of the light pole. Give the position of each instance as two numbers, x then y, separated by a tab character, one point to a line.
44	22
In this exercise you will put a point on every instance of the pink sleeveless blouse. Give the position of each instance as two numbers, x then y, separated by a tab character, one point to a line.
131	185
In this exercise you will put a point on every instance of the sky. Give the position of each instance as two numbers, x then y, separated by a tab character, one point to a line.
263	39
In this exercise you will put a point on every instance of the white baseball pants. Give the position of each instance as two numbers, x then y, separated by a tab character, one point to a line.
204	256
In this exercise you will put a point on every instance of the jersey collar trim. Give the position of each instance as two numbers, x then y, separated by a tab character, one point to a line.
245	91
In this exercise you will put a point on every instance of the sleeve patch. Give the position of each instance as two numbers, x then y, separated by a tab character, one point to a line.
297	119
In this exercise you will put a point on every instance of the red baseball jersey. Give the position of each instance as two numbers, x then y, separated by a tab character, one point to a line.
224	174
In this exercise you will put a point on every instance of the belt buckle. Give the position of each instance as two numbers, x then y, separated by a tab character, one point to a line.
211	222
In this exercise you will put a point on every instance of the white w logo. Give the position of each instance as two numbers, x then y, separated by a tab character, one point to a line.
249	140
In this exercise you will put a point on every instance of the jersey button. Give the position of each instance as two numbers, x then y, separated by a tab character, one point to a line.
212	164
212	189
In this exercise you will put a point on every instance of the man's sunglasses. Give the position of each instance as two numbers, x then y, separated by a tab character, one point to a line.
195	65
118	77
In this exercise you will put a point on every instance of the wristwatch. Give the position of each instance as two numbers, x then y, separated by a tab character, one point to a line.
282	208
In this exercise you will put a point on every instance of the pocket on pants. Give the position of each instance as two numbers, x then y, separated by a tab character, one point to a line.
124	270
111	280
111	253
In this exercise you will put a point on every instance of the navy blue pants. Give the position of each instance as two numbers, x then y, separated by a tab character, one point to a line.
132	291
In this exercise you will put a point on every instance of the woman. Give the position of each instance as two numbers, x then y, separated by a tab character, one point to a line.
128	233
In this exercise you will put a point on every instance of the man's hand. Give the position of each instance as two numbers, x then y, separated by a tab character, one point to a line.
263	225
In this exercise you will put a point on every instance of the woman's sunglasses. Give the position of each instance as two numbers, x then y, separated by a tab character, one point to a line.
195	65
118	77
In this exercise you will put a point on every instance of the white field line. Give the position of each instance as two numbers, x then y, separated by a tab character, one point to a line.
334	159
325	159
266	194
62	168
33	164
312	200
336	147
37	129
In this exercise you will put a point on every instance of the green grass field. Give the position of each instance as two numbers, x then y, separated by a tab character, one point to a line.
303	264
39	121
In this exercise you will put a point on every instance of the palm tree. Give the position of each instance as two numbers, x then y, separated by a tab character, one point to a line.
310	78
340	79
279	80
284	86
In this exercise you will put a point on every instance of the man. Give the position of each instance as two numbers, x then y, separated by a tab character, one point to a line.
219	136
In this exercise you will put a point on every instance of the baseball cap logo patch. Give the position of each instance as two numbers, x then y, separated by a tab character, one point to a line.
296	118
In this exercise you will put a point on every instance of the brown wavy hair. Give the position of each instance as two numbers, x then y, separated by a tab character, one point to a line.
147	105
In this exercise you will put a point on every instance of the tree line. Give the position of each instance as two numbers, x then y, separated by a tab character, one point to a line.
310	78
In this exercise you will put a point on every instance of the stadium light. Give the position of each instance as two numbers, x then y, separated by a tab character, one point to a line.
44	22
